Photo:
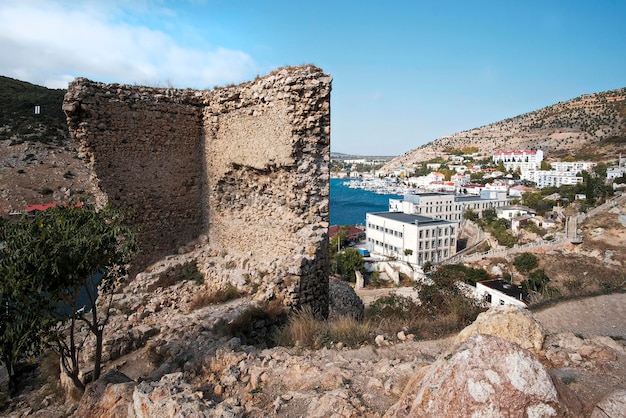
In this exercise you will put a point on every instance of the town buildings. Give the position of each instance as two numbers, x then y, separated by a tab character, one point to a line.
519	160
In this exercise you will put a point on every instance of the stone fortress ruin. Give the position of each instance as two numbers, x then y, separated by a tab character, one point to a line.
239	174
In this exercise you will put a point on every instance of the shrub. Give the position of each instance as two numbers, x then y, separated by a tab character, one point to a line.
191	273
536	281
525	262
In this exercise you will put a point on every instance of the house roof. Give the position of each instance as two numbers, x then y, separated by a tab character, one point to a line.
353	232
46	206
514	291
412	219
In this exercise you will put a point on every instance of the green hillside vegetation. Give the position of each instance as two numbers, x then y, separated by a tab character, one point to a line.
18	121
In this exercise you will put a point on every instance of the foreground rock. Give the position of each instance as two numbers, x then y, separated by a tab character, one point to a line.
486	376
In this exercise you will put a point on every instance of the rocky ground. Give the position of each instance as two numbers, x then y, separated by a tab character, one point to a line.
37	173
166	356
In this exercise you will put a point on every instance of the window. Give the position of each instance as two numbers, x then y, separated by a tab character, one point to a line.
427	243
421	234
427	231
420	245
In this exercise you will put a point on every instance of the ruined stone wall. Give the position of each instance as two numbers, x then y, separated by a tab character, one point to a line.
245	167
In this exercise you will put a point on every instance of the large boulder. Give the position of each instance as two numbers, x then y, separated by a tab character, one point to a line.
343	300
486	376
612	406
510	322
107	397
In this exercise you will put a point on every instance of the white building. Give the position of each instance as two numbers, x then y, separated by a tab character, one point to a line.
446	205
415	239
615	172
522	159
573	166
498	292
513	211
551	178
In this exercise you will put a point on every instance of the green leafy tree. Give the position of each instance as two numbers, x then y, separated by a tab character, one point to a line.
71	258
525	262
536	281
441	296
545	165
470	215
340	239
348	261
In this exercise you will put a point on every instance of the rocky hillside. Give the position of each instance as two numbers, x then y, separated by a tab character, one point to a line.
38	161
589	127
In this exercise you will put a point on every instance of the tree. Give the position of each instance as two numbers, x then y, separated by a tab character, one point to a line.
340	239
23	305
525	262
470	215
347	262
408	252
536	281
71	258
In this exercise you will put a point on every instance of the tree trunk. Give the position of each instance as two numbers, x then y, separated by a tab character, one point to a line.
98	360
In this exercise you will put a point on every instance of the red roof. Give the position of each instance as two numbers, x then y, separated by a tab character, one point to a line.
46	206
352	233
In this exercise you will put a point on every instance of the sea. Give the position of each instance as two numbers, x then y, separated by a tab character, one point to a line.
349	206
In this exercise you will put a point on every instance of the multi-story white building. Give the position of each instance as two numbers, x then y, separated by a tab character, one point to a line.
551	178
415	239
573	166
522	159
448	206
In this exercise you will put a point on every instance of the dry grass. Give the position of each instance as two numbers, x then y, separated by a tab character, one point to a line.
388	315
304	330
202	299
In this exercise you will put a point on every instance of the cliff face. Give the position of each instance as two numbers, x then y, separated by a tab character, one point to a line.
245	167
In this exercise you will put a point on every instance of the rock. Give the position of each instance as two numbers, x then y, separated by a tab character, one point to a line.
107	397
379	340
486	376
612	406
169	397
401	336
509	322
343	300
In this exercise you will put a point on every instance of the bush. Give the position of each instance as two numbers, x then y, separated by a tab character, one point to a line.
536	281
190	272
525	262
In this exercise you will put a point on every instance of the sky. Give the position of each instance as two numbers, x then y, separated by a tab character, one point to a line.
404	72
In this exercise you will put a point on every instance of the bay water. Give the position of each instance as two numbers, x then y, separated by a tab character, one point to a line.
349	206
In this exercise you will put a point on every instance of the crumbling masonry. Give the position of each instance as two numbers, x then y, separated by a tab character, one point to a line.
242	170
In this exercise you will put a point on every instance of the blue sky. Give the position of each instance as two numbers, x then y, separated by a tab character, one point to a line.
404	72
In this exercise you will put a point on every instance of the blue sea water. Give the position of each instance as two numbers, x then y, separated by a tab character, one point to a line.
349	206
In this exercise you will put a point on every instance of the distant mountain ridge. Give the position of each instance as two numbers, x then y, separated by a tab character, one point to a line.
588	127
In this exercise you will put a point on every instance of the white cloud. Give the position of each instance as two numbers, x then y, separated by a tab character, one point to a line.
51	43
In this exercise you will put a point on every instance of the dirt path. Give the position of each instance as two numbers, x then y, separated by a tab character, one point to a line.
598	315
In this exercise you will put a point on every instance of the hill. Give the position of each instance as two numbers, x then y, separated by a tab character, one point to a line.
38	161
589	127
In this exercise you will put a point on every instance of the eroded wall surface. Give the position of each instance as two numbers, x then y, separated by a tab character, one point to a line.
244	167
